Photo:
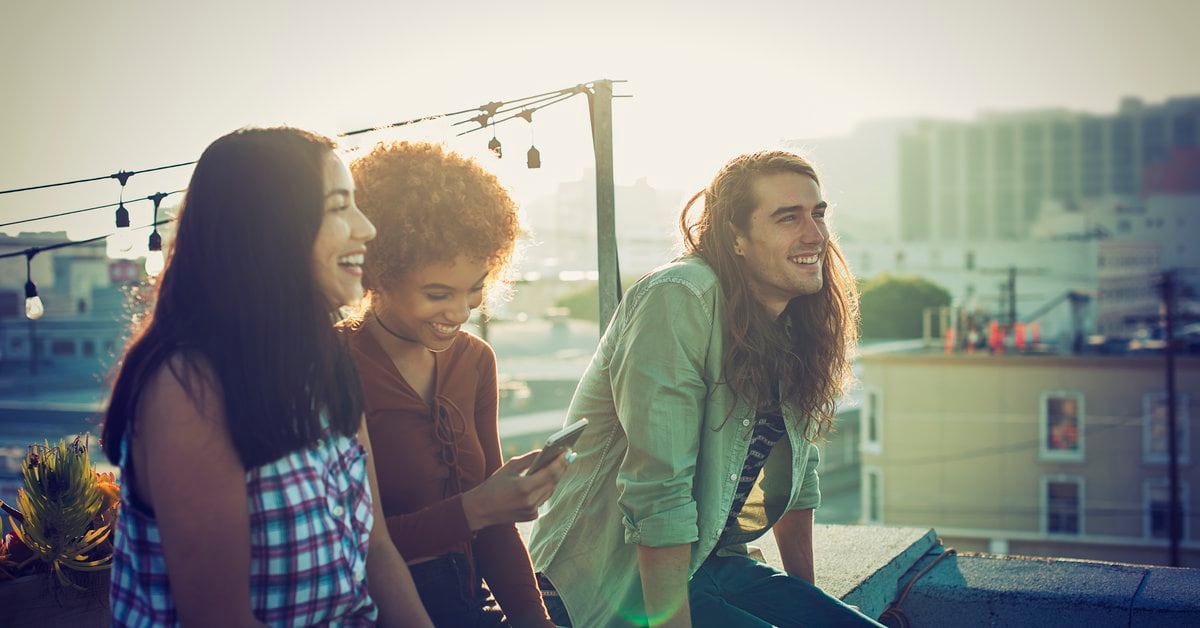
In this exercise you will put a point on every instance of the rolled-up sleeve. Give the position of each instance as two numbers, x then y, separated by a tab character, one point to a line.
656	370
810	487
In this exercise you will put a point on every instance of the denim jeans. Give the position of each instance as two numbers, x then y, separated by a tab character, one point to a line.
737	591
449	596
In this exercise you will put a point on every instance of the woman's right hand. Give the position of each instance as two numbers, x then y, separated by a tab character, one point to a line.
508	497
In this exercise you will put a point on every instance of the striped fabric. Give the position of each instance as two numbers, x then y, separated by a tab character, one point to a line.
768	429
310	519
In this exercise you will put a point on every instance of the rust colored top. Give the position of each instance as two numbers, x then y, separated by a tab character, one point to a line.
427	455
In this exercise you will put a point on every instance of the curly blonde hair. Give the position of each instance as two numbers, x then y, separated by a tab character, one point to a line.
431	205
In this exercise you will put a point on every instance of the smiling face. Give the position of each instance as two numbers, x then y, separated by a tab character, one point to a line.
783	245
341	240
430	303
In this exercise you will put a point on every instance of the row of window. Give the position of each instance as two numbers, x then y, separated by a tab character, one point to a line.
1061	505
1061	436
59	347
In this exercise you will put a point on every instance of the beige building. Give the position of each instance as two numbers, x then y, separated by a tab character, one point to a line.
1031	454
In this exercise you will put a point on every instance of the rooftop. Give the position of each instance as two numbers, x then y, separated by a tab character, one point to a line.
872	567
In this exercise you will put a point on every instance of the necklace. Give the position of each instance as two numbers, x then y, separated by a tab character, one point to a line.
394	334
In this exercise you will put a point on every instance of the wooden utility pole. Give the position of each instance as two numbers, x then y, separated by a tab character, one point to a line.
600	103
1012	297
1175	512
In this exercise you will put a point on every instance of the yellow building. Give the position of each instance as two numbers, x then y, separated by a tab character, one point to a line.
1031	454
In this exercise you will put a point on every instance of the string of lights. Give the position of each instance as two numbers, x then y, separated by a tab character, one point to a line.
486	117
34	309
86	209
121	176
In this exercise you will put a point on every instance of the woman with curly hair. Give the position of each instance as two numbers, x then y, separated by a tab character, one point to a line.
446	233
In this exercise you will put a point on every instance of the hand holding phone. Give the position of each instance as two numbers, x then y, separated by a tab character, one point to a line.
556	444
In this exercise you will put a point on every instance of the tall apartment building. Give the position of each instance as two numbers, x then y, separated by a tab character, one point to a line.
988	179
1031	454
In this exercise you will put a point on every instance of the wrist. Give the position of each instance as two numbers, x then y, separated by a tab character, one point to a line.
473	510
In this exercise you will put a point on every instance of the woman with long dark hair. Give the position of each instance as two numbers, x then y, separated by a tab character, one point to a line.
236	414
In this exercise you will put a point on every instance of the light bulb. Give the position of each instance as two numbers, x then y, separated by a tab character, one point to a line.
34	308
154	263
121	239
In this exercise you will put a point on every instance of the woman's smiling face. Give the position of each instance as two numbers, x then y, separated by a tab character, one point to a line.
430	303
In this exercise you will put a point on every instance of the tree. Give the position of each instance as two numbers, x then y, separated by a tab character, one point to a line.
892	306
584	303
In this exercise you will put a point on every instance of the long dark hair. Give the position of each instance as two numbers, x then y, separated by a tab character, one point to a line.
811	360
238	306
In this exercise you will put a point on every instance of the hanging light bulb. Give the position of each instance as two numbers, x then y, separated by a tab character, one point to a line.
33	303
533	158
154	257
122	239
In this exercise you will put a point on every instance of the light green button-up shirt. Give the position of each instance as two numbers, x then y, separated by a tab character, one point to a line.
660	460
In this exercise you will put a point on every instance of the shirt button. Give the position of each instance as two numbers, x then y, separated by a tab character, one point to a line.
746	422
358	575
338	511
732	477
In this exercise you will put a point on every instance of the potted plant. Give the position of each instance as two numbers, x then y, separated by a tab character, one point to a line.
54	561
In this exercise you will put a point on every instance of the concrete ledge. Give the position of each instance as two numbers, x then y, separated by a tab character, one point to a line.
987	590
861	565
1168	597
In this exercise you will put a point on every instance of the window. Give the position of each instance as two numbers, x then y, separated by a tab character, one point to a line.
1155	444
1062	426
89	348
1156	508
61	347
872	494
1062	504
870	424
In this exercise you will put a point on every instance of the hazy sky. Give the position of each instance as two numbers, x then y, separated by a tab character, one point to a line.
89	89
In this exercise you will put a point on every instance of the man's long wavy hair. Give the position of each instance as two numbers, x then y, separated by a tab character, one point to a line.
808	350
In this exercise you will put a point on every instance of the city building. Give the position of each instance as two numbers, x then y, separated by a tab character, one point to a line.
990	178
1115	280
563	228
85	295
1040	455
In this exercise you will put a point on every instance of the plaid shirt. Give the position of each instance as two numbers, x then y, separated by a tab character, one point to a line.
310	519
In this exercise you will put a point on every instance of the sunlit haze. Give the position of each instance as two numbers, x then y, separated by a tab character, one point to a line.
92	88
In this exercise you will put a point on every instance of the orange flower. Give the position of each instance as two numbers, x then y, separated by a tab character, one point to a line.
106	483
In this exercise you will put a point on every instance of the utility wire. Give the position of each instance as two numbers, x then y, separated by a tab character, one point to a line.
484	119
490	110
518	115
121	176
62	245
1000	449
85	209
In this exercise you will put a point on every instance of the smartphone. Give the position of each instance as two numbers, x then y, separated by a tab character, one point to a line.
556	444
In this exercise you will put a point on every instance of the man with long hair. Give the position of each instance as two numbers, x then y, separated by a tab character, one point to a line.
718	373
